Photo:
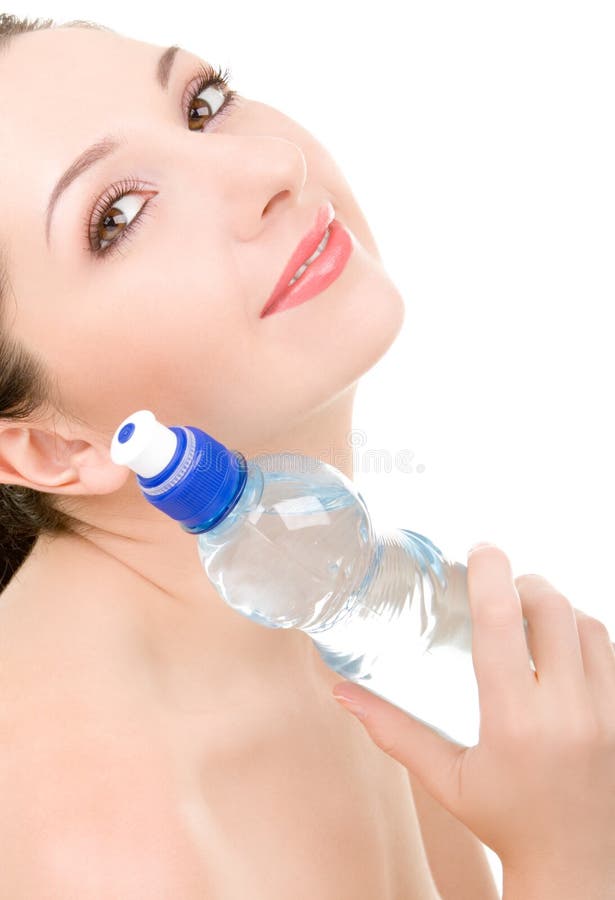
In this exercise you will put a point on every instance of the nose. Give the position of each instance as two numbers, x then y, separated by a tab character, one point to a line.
281	195
258	176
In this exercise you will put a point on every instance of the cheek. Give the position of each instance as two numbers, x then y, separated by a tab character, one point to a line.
321	347
159	350
326	175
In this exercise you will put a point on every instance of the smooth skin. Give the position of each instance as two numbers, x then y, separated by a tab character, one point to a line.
539	787
136	701
171	320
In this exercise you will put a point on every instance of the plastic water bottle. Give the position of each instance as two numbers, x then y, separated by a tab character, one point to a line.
287	541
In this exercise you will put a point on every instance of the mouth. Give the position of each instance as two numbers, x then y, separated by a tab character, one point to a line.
321	254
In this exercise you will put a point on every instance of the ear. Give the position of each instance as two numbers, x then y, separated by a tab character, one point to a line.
49	461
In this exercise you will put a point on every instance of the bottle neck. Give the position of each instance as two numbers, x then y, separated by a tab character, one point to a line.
247	500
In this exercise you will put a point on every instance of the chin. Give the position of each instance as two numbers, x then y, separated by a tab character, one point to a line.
366	323
363	329
327	349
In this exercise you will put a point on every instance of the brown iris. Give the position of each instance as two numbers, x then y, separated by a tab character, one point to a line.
114	218
198	112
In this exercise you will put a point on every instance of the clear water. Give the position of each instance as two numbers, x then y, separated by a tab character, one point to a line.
385	610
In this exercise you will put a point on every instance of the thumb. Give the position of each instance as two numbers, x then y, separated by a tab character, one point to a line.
433	759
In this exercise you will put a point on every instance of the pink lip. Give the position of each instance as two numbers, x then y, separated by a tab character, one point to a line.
325	269
304	250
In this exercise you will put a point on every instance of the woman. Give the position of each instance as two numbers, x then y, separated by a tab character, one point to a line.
155	743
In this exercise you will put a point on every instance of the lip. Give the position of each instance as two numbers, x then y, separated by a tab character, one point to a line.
304	250
325	269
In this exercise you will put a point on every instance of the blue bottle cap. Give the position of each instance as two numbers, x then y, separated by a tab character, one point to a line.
182	470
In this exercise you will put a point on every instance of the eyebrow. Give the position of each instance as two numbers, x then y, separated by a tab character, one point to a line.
106	145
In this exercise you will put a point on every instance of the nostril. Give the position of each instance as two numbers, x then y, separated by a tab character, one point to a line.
277	196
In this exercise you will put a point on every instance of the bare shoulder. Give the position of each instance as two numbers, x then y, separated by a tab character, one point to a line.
90	799
91	805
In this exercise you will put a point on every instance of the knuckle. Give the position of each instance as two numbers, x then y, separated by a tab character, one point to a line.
531	580
586	734
495	609
591	627
555	602
580	736
537	592
583	729
496	619
518	733
532	583
508	729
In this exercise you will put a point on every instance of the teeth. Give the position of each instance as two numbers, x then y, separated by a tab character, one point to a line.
316	253
318	249
298	273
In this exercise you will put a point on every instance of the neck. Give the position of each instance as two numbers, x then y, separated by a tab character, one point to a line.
323	435
149	567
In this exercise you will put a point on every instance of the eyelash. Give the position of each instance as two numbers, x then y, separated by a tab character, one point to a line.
206	76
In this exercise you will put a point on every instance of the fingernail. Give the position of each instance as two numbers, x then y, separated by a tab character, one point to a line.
478	545
351	705
354	708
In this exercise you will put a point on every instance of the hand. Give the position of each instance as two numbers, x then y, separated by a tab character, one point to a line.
539	787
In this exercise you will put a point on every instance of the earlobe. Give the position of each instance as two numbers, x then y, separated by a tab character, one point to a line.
95	472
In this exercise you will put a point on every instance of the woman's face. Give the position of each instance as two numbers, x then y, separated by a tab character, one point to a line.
168	318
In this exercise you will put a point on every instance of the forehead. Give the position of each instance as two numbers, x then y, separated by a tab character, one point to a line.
54	65
59	91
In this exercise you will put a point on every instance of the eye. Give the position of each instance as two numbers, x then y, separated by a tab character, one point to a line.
117	213
206	94
119	210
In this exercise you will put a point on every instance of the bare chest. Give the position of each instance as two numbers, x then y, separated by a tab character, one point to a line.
270	792
292	799
308	808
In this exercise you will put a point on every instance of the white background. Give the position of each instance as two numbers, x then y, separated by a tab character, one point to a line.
478	139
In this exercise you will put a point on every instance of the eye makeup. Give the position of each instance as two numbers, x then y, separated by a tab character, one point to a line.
101	211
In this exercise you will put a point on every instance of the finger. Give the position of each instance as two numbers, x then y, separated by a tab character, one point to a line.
553	638
599	664
423	750
499	650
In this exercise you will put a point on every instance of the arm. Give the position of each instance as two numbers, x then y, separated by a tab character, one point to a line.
456	857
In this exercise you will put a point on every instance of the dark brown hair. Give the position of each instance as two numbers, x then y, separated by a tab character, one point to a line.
27	391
